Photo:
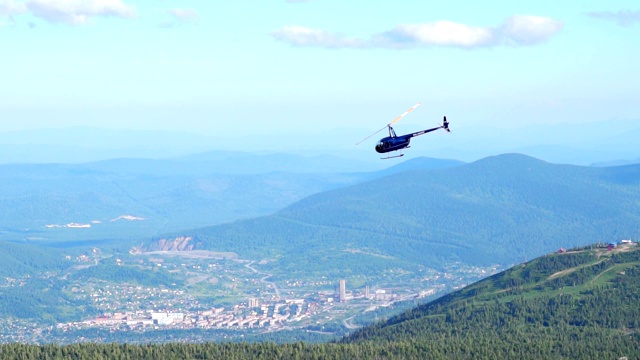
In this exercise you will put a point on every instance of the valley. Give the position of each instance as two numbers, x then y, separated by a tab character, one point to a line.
575	303
322	267
202	295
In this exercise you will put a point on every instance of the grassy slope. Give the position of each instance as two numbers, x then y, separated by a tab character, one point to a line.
579	304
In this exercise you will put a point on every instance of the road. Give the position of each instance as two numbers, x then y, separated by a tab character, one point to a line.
348	324
264	279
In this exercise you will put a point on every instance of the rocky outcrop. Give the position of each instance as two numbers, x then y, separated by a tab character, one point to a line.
180	243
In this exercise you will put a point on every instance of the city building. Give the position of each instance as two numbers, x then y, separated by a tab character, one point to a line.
254	303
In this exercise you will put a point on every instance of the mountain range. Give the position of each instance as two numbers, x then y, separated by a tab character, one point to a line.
138	198
605	141
498	210
423	213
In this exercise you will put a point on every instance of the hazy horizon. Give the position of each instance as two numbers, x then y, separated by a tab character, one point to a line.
315	77
579	144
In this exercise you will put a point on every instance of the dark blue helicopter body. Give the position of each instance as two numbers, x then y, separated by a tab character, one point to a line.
394	142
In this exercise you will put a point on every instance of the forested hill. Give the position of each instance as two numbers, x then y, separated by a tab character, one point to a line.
501	209
17	260
579	304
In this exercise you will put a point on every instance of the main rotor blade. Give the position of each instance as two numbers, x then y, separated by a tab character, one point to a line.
359	142
405	113
391	123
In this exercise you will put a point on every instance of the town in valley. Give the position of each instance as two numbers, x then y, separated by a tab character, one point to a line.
221	292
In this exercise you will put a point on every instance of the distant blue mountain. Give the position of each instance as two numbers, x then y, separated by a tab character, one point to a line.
616	163
572	143
238	162
40	201
422	163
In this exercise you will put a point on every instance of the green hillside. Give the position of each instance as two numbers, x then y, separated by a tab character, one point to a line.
579	304
501	209
28	284
19	260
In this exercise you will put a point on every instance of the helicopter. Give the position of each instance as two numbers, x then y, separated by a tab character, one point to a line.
394	142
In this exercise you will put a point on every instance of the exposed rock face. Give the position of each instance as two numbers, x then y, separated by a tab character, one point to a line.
178	244
181	243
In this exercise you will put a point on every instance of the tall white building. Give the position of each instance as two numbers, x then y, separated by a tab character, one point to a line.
343	290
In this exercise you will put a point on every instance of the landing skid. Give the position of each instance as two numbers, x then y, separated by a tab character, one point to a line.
391	157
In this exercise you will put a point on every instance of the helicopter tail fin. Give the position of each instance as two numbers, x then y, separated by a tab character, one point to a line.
445	124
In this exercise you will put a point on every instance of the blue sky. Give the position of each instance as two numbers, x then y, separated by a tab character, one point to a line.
213	67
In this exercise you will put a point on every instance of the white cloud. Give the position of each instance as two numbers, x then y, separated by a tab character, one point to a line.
179	17
517	30
441	33
184	14
622	17
528	30
10	7
77	12
302	36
